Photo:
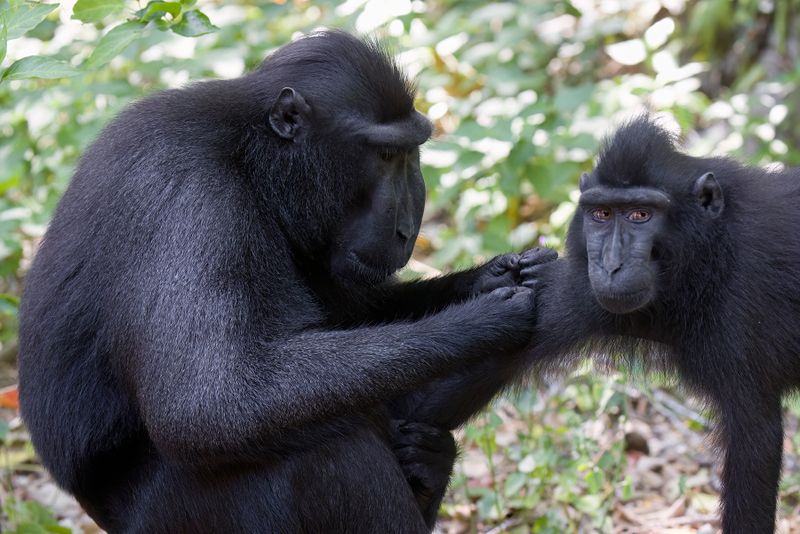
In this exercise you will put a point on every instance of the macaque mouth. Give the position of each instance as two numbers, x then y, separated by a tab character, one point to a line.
367	269
622	302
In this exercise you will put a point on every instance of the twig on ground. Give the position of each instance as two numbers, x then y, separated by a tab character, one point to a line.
505	525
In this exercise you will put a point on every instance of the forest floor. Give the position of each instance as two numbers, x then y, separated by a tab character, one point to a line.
670	468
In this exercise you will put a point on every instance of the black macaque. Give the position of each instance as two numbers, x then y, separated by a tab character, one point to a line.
212	339
692	264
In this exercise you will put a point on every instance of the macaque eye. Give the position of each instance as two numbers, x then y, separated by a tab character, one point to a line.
388	153
601	214
639	215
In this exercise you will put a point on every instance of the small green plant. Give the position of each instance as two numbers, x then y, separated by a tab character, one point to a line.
30	517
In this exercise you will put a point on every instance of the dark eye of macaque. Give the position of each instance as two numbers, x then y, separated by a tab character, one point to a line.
601	214
639	215
388	154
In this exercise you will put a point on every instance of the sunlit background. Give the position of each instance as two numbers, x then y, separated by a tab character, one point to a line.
521	94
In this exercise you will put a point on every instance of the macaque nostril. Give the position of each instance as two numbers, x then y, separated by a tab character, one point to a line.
612	267
655	254
405	235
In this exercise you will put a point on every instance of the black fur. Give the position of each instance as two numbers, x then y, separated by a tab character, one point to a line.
726	306
211	339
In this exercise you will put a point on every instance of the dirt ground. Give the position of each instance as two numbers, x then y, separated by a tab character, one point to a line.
675	481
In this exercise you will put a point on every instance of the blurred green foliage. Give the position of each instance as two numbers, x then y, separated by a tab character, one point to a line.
521	94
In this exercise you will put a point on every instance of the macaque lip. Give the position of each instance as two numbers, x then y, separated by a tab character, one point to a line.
622	303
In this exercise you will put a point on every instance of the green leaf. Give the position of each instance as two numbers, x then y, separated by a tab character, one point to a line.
3	38
493	420
488	505
627	489
594	481
30	528
96	10
155	10
9	304
45	30
514	484
606	461
114	43
193	24
39	514
589	504
24	16
568	98
39	67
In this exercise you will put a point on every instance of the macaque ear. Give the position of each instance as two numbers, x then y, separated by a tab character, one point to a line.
584	183
290	115
709	196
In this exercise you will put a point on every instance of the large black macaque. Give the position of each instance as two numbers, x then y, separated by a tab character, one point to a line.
694	265
211	336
